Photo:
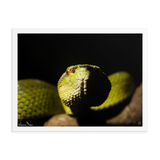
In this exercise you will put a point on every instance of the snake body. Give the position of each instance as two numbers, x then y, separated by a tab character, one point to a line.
81	88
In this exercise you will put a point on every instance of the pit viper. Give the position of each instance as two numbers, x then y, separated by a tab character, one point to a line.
81	88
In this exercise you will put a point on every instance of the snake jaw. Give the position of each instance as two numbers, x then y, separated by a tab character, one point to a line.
73	89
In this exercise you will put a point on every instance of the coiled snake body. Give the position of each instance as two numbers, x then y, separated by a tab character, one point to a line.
80	89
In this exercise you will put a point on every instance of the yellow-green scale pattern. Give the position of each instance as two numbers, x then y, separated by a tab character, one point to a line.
122	88
36	99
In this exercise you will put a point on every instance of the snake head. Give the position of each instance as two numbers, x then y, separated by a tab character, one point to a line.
83	86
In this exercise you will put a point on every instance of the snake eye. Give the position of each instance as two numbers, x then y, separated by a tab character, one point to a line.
67	71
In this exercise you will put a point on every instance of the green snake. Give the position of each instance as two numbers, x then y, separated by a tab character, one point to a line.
80	89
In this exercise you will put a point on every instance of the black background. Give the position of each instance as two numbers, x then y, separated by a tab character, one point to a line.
46	56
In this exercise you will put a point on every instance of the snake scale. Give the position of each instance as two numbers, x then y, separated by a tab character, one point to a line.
81	88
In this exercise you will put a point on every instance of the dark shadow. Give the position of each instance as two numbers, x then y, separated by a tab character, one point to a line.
98	118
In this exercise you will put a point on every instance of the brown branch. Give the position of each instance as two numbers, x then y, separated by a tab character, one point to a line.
132	113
